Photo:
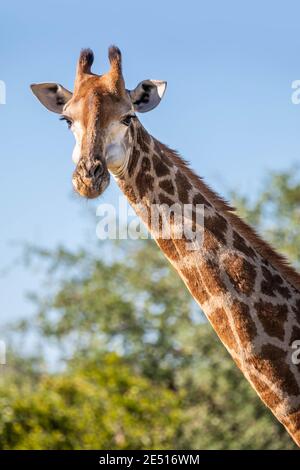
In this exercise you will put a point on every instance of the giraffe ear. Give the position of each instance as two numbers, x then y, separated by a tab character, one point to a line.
52	95
147	95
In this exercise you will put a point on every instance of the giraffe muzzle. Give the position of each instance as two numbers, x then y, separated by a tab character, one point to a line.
91	177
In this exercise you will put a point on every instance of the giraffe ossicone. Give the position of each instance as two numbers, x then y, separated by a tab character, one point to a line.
249	292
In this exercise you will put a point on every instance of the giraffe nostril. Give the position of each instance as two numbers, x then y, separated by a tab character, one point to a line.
98	170
93	169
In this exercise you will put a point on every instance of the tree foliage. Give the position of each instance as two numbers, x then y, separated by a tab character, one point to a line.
96	404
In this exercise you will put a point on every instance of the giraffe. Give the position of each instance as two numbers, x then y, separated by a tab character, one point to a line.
249	292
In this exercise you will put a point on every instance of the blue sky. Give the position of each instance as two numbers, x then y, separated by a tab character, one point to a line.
227	109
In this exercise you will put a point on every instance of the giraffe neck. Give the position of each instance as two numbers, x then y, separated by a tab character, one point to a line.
247	291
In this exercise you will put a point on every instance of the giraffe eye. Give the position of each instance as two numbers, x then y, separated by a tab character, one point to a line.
126	120
68	121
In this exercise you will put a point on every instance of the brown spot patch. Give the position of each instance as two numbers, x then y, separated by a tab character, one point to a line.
210	243
133	161
145	165
241	273
183	187
240	244
196	287
273	283
295	334
168	248
244	325
272	318
270	398
200	199
159	167
270	351
221	325
130	193
211	277
143	139
163	199
144	181
296	310
276	370
217	225
292	423
183	245
167	186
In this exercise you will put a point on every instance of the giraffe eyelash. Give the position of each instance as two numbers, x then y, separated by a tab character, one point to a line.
68	121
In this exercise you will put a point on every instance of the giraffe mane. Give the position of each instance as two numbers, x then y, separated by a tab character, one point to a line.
264	248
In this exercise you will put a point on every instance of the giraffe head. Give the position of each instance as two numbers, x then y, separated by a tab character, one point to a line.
99	112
